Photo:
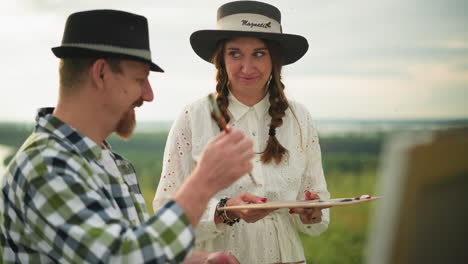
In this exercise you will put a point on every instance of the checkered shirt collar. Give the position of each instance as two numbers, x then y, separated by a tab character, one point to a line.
46	122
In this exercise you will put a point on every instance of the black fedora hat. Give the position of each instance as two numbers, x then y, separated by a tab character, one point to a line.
248	19
106	34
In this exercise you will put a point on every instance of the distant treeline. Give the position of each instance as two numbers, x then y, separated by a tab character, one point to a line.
13	134
353	153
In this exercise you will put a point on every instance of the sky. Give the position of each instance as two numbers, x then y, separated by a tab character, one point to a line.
367	59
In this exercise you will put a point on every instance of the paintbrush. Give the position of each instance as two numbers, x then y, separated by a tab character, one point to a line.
222	122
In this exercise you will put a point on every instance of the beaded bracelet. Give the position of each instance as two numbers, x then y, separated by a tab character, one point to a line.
223	214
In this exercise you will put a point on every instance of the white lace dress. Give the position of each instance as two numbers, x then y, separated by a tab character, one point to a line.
273	238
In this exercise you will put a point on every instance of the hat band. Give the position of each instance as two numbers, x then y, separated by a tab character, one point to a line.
249	22
142	53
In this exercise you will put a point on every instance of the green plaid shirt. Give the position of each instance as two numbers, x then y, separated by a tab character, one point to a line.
59	204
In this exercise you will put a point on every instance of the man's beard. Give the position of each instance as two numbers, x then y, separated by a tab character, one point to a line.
127	123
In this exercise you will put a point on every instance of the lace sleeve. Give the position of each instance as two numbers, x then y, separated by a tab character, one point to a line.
177	162
313	178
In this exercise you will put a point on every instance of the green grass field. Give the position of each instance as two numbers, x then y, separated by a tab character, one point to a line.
346	237
350	165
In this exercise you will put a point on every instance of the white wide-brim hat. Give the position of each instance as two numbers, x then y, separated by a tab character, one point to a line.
248	19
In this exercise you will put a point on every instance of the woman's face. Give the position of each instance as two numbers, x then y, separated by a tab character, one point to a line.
248	65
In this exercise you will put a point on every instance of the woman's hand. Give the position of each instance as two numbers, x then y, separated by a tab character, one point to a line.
309	215
248	215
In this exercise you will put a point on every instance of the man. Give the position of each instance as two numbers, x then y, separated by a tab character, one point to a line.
67	198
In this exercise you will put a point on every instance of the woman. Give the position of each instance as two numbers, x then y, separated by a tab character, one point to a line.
248	51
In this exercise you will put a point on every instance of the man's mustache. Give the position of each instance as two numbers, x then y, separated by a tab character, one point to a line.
138	103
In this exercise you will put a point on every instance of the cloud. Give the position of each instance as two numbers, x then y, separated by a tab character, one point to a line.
367	58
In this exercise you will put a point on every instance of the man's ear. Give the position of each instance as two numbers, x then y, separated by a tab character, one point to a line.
98	72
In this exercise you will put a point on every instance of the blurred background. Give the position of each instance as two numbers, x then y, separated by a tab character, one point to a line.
373	68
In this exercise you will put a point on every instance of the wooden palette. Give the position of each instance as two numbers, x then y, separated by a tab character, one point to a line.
303	203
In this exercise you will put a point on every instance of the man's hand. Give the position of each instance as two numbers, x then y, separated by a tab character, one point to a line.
201	257
224	160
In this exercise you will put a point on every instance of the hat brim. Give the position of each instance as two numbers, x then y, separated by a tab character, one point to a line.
75	52
204	42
